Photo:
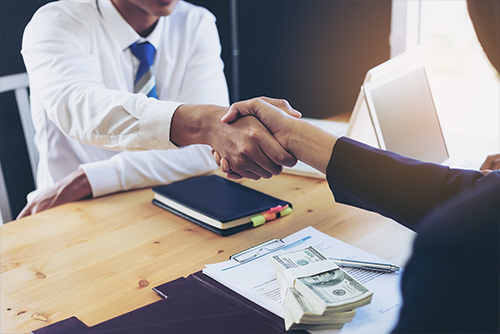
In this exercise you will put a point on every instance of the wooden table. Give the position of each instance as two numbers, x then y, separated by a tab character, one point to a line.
99	258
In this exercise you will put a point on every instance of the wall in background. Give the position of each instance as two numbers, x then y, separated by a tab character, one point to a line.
313	53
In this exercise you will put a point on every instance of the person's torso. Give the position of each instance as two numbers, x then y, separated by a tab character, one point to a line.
60	155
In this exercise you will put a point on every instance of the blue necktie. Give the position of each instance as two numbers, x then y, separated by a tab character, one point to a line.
144	80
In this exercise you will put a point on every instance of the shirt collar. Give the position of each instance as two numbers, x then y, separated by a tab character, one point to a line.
123	33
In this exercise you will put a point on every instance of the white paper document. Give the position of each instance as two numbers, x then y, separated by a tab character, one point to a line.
256	280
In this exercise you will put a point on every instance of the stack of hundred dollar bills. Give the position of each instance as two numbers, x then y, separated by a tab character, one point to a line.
316	293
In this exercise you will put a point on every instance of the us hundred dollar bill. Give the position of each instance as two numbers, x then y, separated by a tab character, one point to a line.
333	289
304	312
298	258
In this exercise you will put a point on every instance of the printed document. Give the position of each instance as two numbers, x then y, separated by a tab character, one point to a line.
256	280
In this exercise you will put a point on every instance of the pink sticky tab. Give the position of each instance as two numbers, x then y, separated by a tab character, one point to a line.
275	209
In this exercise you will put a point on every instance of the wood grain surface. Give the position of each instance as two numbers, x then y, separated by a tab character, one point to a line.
99	258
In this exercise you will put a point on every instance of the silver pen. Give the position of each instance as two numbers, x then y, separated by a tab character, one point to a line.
387	268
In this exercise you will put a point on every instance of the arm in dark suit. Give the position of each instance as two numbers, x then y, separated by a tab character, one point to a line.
397	187
451	282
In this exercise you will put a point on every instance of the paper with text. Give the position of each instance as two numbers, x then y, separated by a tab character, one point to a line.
256	280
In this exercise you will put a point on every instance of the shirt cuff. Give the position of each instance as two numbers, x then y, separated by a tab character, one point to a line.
156	120
102	177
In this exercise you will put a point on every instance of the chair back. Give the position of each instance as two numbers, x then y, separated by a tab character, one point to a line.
19	84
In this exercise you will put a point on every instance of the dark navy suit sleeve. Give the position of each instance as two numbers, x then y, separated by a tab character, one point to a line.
451	282
395	186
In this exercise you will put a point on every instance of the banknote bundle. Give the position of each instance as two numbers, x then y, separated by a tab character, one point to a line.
316	293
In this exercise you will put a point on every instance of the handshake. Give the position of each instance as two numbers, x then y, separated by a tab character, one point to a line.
279	140
254	139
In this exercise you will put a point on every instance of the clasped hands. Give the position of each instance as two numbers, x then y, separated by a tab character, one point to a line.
275	115
298	139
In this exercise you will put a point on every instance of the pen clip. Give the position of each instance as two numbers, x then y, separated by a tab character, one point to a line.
371	266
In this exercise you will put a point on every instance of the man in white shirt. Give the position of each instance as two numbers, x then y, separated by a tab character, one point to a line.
82	74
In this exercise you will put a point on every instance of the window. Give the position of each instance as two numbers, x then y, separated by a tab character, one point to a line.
465	86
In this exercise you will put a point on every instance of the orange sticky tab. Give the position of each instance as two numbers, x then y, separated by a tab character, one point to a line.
272	213
269	215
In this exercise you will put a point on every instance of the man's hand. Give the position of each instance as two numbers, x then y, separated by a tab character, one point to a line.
245	143
275	121
275	114
305	141
73	187
491	163
255	106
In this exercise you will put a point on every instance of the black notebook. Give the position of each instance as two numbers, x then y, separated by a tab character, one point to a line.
218	204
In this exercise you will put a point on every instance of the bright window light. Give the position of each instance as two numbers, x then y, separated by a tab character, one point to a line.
465	86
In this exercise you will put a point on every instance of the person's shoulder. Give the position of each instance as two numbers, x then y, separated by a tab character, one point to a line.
70	19
66	8
185	10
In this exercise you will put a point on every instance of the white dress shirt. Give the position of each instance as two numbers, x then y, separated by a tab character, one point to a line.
82	74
